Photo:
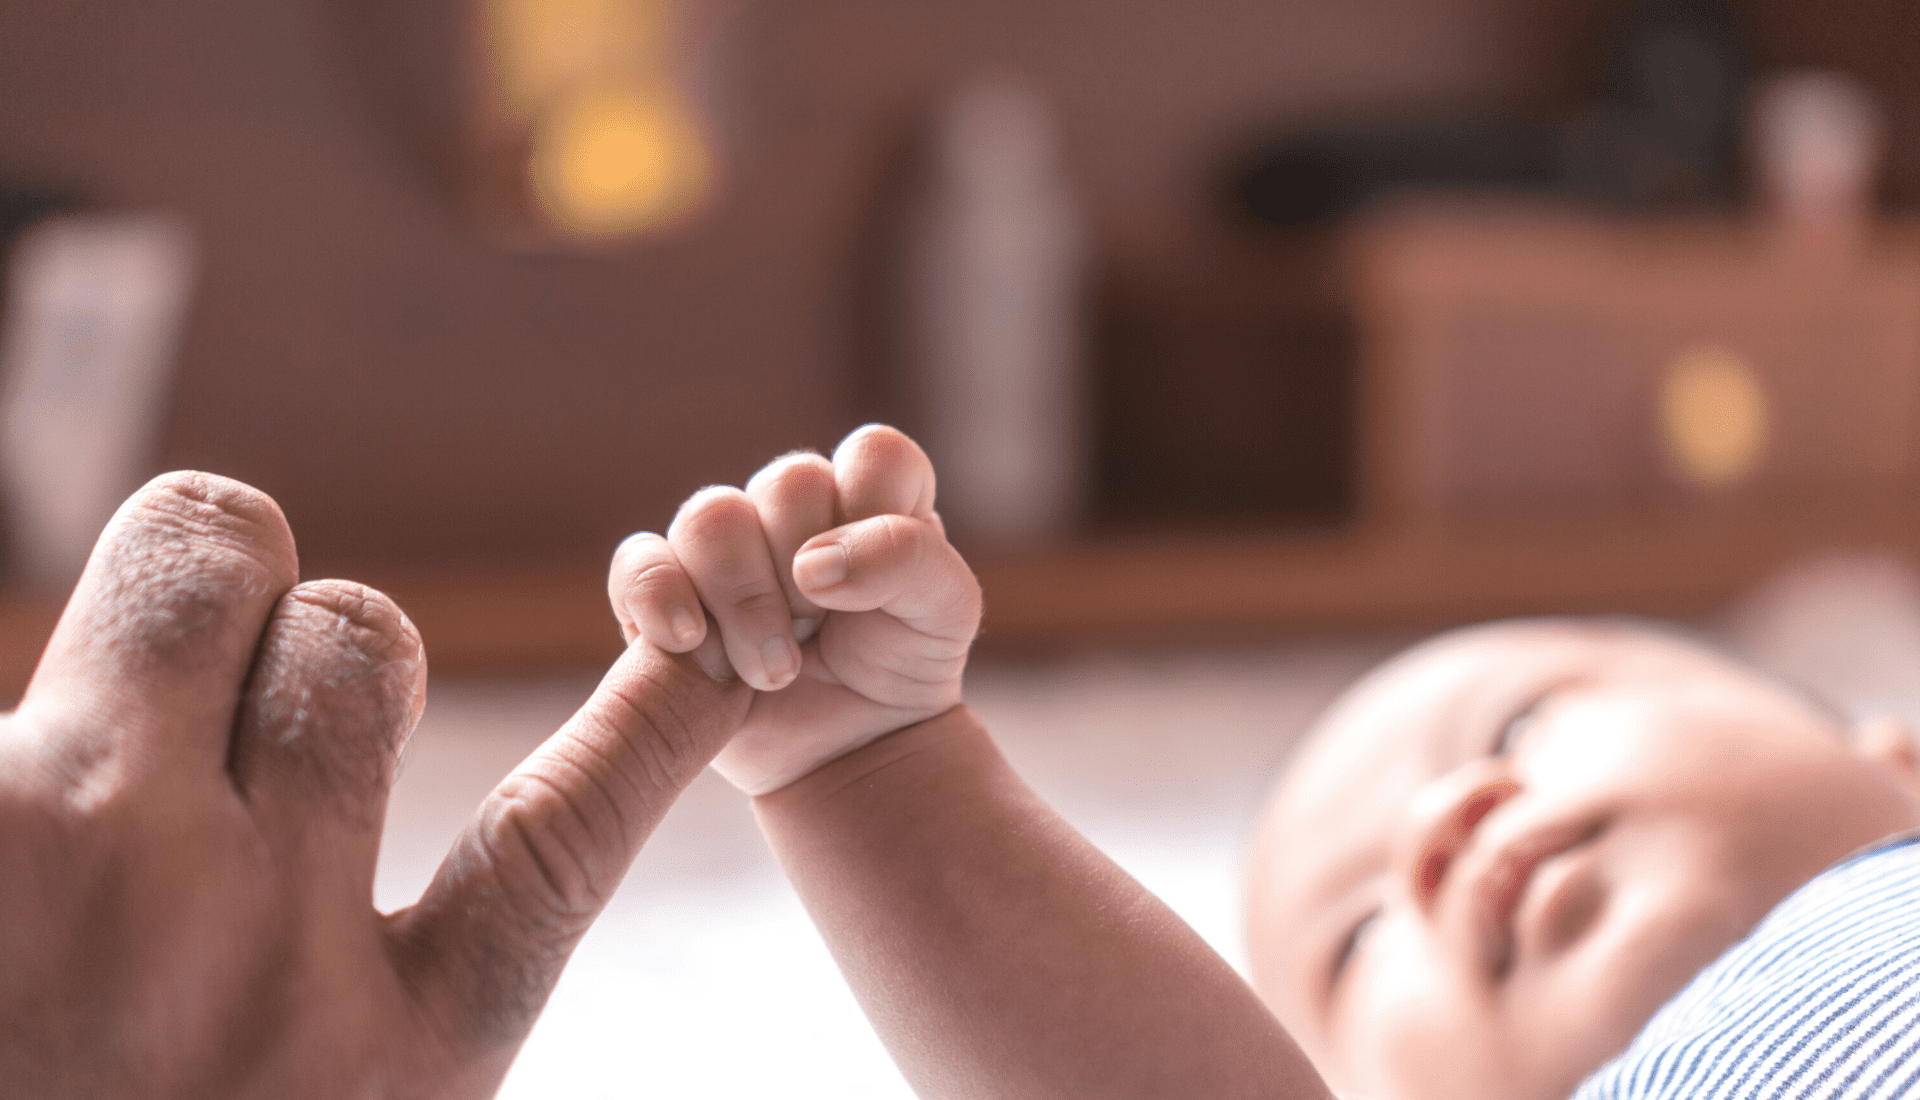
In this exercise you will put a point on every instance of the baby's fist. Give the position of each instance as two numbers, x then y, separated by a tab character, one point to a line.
829	587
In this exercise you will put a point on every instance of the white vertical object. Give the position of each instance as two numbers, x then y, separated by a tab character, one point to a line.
93	311
1818	138
999	318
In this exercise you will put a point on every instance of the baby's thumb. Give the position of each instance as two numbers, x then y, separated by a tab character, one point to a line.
897	564
549	846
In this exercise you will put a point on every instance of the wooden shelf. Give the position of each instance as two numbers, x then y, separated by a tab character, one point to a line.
1669	562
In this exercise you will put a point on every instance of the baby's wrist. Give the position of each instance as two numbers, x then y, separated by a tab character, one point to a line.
855	763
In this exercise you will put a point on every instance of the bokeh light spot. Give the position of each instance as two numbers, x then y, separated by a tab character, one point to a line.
617	159
1713	415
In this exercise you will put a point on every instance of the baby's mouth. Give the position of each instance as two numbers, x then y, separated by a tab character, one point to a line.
1505	886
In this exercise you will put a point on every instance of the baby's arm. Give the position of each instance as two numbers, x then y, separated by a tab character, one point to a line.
995	951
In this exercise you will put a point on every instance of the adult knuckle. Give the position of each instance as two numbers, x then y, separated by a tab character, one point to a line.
535	868
652	726
540	838
659	745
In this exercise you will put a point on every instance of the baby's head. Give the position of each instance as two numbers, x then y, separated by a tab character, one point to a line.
1502	851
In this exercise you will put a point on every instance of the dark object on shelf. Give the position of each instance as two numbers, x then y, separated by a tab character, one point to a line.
1318	177
1222	412
20	207
1663	134
1666	131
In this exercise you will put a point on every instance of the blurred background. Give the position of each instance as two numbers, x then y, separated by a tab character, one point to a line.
1251	340
1230	319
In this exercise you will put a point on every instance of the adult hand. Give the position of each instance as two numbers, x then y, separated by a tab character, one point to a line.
191	798
827	586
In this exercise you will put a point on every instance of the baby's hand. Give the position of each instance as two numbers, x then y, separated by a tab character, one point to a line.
829	587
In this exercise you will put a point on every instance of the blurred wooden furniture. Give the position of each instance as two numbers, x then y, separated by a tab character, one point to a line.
1222	385
1526	362
1511	448
1560	412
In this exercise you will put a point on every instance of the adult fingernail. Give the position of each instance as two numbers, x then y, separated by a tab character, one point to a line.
685	627
821	567
777	653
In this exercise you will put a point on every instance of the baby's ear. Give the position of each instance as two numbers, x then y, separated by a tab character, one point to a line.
1889	742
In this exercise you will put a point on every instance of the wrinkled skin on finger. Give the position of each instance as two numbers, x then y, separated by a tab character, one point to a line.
191	796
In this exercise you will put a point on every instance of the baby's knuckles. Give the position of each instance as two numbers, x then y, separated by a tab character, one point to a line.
793	481
645	584
715	517
883	470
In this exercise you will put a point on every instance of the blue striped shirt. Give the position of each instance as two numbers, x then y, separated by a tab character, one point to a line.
1822	1000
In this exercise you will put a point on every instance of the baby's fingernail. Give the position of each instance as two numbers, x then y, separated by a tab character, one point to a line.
780	659
804	628
685	627
821	567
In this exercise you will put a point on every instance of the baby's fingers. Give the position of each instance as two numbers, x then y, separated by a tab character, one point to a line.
652	596
795	496
896	564
718	537
880	471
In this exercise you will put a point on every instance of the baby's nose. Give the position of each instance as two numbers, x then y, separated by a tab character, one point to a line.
1441	820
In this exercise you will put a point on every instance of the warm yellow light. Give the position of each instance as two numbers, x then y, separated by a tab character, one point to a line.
543	49
615	159
1713	415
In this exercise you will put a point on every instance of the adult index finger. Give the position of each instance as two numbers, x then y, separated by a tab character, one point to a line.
549	846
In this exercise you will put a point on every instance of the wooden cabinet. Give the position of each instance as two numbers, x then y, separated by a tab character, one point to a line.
1530	362
1557	412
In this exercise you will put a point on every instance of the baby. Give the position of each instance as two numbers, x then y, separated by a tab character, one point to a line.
1492	864
1503	851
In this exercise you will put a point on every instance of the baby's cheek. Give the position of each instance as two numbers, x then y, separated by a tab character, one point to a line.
1415	1030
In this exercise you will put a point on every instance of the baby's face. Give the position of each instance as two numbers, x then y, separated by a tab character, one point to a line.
1503	851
